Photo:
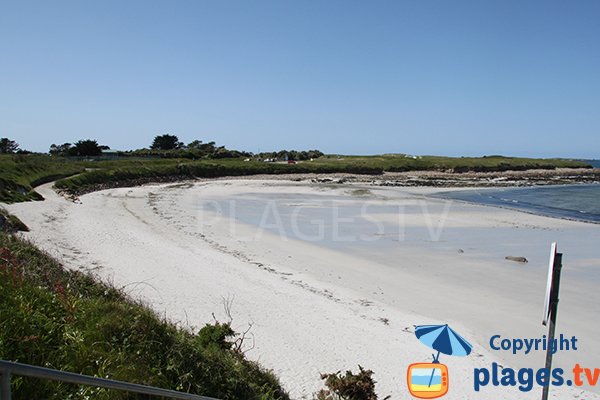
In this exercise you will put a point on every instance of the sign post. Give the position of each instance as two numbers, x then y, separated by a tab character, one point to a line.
551	309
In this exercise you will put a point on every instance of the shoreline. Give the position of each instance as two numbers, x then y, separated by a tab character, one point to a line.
314	309
437	179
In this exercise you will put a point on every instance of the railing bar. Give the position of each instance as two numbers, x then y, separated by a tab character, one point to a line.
7	367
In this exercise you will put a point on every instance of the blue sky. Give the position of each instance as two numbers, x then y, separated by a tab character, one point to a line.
419	77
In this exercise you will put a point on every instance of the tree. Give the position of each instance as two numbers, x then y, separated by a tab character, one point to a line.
282	155
166	142
208	148
60	149
314	154
85	148
194	145
8	146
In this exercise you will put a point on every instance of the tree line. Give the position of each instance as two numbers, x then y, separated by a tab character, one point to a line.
166	146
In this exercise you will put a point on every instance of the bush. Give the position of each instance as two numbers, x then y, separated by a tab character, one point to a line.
216	336
360	386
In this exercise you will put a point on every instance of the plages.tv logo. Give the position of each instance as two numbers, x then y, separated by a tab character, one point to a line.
431	380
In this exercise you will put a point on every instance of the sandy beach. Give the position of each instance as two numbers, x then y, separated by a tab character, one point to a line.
332	276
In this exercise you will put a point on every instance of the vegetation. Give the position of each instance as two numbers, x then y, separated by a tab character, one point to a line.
10	224
350	386
60	149
147	171
19	173
169	146
8	146
79	168
166	142
82	148
129	173
496	163
67	320
291	155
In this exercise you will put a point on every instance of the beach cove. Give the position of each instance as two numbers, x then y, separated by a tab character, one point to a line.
331	276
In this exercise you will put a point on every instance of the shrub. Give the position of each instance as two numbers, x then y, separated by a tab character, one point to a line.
350	386
216	336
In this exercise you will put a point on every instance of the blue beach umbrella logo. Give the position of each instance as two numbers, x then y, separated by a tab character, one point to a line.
430	380
444	340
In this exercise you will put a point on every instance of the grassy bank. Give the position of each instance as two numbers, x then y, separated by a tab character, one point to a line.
132	174
67	320
148	172
20	173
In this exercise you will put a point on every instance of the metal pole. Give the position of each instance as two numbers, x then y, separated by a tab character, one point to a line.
552	322
5	393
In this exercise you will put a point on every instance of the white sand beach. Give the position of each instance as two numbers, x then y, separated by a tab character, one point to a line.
336	300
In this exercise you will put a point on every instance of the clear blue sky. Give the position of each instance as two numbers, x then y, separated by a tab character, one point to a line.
421	77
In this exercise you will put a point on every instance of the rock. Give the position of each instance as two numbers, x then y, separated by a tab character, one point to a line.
517	259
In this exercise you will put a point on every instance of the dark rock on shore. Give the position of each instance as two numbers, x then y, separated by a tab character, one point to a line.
517	259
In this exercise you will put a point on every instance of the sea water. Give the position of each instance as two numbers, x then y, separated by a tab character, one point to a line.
579	202
593	163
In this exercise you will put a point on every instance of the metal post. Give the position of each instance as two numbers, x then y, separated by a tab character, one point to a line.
552	322
5	393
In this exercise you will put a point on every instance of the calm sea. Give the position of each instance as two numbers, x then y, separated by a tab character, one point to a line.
594	163
580	202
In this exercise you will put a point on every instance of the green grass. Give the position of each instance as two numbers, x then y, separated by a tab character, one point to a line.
19	174
69	321
374	165
400	162
202	169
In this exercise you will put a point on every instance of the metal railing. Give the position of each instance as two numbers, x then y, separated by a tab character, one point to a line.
8	368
